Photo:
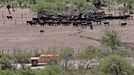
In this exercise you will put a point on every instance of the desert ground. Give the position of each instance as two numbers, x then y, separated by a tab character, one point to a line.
16	34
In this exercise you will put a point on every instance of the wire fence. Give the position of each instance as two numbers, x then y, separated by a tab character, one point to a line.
35	51
30	51
19	18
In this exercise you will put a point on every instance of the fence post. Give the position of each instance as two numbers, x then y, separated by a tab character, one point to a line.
42	51
2	51
25	51
2	15
8	51
14	52
15	22
4	22
31	52
23	22
21	15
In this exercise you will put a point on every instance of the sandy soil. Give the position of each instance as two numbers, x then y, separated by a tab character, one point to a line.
19	35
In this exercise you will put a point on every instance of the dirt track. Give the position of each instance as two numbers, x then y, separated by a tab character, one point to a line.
27	37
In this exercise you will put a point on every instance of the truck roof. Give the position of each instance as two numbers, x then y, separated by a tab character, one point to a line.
48	55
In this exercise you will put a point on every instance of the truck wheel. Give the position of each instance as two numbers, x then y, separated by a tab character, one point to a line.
52	62
34	63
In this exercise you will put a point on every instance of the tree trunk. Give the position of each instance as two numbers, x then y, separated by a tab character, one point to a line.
66	63
34	1
9	11
20	4
13	7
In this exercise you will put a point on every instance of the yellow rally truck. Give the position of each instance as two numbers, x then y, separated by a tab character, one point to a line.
44	58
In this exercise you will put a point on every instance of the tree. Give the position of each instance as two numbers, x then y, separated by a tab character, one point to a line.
5	62
22	58
113	45
97	3
54	6
34	1
66	54
42	6
116	65
8	7
4	1
89	54
111	39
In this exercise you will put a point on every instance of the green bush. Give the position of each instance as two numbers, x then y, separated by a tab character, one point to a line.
90	52
116	65
5	62
7	72
66	54
75	72
111	39
25	71
49	70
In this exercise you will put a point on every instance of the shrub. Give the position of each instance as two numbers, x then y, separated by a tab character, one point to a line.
7	72
5	62
116	65
49	70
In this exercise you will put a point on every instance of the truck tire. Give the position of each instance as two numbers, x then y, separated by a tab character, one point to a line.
34	63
